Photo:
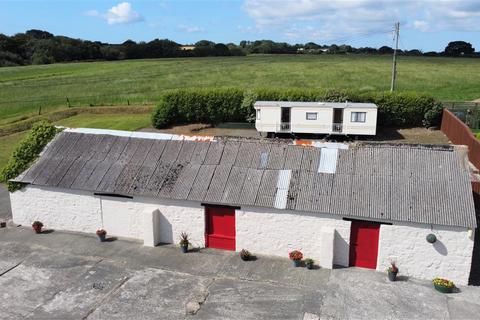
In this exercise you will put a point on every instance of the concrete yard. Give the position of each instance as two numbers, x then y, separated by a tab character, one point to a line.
58	275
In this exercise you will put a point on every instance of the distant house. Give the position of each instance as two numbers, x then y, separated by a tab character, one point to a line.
187	47
333	118
360	205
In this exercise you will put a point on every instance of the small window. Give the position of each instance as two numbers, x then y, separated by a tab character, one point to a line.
311	116
258	114
358	116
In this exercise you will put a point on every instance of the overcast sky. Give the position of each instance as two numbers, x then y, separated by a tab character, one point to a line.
426	25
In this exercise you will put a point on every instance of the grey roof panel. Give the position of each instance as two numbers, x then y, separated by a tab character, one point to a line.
214	153
268	189
250	186
202	182
217	185
200	152
233	188
371	181
185	181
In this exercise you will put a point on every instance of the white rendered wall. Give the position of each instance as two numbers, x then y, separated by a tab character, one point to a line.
275	232
56	208
450	257
82	211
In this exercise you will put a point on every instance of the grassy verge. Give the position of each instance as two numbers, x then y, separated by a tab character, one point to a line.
129	122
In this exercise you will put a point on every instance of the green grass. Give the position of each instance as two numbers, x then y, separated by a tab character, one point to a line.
7	145
24	89
130	122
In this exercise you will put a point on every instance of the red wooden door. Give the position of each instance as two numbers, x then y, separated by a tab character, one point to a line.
364	244
220	227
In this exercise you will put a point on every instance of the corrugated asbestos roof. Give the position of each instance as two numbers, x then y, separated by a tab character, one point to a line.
371	181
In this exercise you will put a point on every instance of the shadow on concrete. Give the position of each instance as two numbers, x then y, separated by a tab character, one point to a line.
402	278
47	231
111	239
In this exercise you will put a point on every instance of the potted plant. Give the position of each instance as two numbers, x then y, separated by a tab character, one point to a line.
245	255
443	285
37	226
184	242
102	234
296	256
309	263
392	272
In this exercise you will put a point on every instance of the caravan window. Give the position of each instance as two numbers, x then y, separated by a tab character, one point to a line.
358	116
311	116
258	114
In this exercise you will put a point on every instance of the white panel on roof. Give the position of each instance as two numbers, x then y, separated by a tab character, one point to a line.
283	183
328	160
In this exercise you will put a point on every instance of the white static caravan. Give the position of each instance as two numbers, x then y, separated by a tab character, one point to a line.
345	118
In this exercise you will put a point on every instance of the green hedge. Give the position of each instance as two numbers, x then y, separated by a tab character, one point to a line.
231	104
199	105
26	152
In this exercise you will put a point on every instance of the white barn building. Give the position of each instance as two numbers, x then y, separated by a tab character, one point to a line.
333	118
359	205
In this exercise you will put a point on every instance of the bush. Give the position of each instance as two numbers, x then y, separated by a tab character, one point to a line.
199	105
26	152
217	105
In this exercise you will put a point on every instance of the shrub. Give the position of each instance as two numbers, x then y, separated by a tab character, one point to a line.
433	116
184	239
217	105
26	152
199	105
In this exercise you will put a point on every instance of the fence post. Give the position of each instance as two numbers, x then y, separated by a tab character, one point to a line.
39	110
68	103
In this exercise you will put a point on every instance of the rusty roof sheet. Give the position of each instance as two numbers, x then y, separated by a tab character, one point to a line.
421	184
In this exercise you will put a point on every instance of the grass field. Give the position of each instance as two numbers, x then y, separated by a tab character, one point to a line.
24	89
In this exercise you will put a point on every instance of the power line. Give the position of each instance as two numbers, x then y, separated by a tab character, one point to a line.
394	65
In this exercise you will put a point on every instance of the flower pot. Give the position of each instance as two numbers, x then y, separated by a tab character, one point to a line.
184	249
37	229
297	263
309	266
102	237
392	276
443	289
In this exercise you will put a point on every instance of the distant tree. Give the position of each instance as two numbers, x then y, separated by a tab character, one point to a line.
39	34
385	50
459	48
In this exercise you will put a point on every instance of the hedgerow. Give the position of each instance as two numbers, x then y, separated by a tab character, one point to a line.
26	152
230	104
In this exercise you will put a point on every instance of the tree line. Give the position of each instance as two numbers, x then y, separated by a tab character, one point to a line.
42	47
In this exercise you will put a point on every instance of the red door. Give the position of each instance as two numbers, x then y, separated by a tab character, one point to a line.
364	244
220	227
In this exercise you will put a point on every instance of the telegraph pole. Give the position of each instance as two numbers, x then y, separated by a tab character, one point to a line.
394	66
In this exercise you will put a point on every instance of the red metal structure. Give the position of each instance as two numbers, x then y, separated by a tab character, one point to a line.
459	133
364	244
220	228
